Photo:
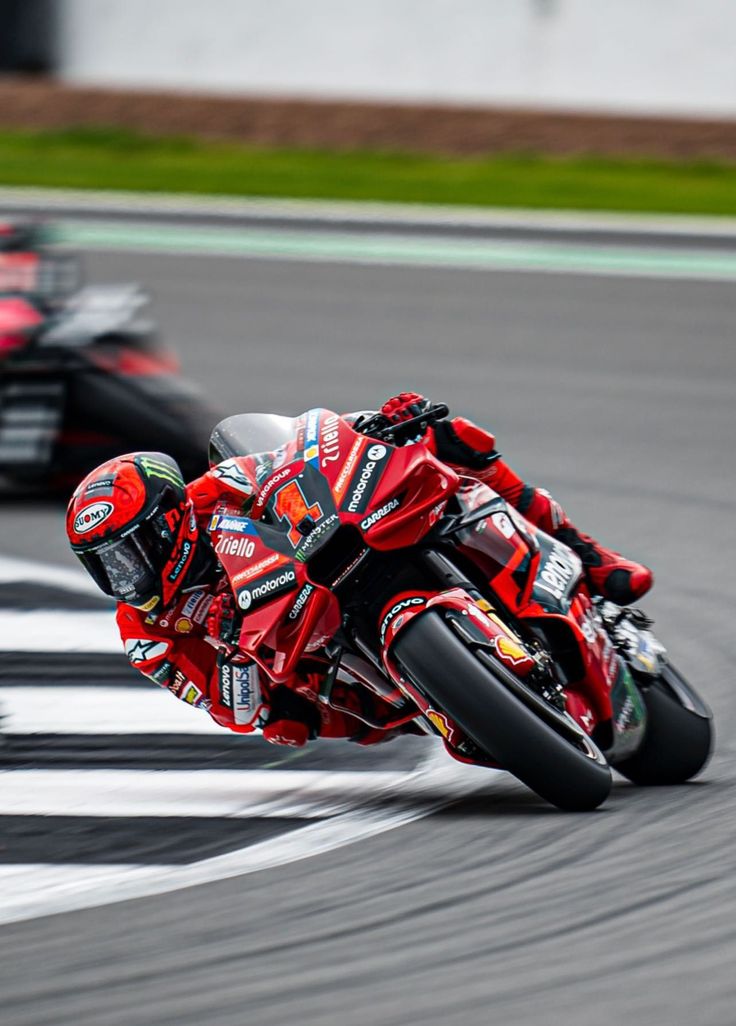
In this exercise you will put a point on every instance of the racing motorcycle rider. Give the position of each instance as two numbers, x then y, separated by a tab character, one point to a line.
141	534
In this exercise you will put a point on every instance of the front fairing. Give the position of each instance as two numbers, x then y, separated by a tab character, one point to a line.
326	496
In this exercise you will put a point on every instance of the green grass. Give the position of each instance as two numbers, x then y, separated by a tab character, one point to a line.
114	159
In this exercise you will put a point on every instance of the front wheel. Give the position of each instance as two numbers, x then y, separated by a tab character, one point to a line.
541	746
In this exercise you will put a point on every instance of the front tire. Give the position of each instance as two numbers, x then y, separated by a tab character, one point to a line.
544	748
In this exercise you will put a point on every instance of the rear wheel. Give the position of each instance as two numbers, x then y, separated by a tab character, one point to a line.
541	746
678	739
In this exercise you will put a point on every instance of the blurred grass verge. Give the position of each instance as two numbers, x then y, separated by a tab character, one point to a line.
100	158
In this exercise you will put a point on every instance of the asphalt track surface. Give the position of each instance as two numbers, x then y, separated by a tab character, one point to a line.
618	394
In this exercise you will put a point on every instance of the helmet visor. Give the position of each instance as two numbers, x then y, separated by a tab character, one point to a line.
127	568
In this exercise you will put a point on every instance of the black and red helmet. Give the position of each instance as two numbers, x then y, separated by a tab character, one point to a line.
133	528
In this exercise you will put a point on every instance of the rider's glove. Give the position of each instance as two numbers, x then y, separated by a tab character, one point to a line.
404	407
293	719
464	444
223	619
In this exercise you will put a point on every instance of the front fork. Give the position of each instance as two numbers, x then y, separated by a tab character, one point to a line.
473	619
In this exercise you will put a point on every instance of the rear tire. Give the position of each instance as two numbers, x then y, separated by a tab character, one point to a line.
677	741
551	755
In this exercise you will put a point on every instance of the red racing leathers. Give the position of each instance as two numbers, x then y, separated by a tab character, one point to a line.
181	648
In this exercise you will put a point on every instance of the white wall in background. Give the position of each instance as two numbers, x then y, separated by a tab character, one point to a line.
670	56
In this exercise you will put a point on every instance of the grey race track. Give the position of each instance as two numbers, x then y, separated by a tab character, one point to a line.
619	395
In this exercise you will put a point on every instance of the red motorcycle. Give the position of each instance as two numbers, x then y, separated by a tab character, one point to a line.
430	590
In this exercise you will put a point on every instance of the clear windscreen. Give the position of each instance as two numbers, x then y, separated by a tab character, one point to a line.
248	434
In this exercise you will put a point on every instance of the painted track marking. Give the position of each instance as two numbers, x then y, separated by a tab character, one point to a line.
394	249
340	807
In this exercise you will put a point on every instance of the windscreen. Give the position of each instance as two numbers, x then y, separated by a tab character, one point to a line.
247	434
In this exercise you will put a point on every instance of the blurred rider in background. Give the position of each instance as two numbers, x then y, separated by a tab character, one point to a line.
141	533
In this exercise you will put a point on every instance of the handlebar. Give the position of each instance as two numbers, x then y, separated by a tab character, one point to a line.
380	427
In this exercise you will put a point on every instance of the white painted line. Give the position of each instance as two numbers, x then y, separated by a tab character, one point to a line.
298	794
101	710
361	805
62	631
58	630
48	890
26	570
329	211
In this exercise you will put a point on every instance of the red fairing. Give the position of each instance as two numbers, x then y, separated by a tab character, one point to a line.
331	476
18	320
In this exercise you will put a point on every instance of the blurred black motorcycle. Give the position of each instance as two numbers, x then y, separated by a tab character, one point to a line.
83	374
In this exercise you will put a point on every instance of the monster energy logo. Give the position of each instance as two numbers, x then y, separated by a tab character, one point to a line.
156	468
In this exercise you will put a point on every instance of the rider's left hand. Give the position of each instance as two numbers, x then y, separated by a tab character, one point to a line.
404	406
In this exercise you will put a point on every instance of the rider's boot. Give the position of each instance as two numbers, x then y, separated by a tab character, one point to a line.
608	573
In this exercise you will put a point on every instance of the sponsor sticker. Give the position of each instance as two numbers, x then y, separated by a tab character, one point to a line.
181	562
162	675
191	695
365	478
315	536
189	606
503	524
232	474
441	723
183	625
196	606
227	545
271	484
202	608
253	571
157	468
398	607
301	601
103	485
311	437
143	650
92	516
236	525
329	440
226	685
247	699
558	571
509	652
347	467
267	588
379	514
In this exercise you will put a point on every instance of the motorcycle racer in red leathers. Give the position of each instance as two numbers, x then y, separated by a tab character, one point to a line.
141	534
